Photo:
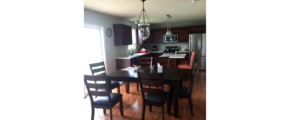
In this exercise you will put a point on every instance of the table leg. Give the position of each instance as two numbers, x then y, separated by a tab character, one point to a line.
180	82
175	96
127	87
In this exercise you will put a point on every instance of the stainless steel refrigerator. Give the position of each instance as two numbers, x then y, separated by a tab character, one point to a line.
197	43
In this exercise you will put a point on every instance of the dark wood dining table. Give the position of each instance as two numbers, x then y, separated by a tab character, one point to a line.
171	76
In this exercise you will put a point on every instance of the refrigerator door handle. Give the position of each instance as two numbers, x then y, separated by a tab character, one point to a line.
198	45
189	46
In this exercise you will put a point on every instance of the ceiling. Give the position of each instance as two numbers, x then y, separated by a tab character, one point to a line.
180	10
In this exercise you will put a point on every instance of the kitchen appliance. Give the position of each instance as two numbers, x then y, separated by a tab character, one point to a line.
170	49
154	48
170	38
197	43
142	51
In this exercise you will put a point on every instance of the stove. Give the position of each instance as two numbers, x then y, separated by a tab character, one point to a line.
170	49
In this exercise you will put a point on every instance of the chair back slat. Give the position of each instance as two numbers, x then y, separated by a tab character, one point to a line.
145	58
145	62
95	85
99	93
151	79
193	77
94	71
98	67
163	61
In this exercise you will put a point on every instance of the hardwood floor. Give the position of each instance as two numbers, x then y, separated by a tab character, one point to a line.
132	104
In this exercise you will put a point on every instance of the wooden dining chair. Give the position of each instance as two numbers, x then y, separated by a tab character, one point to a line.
103	99
145	62
100	69
154	97
163	61
185	92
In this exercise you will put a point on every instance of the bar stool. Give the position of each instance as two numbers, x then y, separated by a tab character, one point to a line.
185	66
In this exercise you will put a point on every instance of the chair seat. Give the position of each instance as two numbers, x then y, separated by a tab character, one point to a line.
156	98
184	91
105	100
183	65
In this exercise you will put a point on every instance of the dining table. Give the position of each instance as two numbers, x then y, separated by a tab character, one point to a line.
170	76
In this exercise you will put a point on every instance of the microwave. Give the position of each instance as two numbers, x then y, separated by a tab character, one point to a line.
170	38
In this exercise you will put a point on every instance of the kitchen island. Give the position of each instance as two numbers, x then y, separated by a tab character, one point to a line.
173	59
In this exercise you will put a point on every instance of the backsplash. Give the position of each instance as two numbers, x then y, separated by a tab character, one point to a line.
161	46
121	51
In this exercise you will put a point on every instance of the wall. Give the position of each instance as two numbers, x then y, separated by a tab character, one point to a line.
106	21
178	24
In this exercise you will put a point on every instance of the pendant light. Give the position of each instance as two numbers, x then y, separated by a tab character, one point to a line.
168	25
143	27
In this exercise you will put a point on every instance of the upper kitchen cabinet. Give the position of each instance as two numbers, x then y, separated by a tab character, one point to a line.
173	30
197	29
158	35
122	34
203	28
183	34
148	40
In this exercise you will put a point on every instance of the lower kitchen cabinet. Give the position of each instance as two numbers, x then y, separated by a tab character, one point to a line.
123	63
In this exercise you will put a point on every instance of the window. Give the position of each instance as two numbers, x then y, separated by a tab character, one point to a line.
93	49
133	46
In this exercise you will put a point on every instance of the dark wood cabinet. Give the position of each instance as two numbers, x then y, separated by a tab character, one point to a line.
197	29
123	63
148	40
158	35
203	29
173	30
183	34
122	34
194	29
134	61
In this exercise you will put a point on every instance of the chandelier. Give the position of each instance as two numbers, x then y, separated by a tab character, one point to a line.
143	27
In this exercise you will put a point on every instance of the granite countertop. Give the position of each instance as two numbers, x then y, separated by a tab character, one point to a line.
141	54
174	55
133	56
182	51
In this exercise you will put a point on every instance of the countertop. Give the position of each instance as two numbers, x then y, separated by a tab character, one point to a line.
133	56
174	55
141	54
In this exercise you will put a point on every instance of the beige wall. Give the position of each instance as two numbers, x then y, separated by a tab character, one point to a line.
106	21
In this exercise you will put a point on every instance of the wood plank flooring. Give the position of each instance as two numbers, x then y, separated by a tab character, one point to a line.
132	104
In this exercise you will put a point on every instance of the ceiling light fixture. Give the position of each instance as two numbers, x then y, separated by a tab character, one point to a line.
168	25
193	1
143	27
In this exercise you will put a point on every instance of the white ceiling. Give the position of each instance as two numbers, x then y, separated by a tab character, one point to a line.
180	10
